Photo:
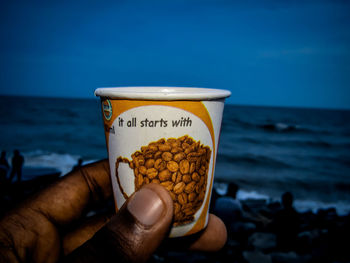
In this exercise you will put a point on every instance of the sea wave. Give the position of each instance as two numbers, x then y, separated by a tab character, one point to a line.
302	206
294	143
310	143
63	162
240	122
252	159
276	127
285	127
245	195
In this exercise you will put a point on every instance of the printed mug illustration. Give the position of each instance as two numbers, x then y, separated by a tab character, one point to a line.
180	165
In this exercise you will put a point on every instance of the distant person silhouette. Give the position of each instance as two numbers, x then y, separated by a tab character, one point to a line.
238	222
4	167
228	208
17	165
286	224
78	165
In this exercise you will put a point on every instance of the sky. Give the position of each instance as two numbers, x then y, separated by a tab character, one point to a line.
270	53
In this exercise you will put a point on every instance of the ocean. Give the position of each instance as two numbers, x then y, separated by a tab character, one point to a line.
265	150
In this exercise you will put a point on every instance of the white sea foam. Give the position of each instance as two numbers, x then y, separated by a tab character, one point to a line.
301	206
309	205
244	195
343	208
63	162
221	189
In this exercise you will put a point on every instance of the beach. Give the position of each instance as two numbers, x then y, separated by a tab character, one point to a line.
266	151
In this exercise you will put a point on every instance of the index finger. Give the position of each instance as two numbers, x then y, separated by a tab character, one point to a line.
66	200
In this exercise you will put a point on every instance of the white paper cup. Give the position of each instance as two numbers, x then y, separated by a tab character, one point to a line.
164	135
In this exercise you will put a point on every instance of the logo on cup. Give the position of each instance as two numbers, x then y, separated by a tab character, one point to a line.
107	109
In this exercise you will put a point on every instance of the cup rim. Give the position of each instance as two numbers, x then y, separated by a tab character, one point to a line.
162	93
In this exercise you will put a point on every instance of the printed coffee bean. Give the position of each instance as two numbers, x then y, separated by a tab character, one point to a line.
189	140
171	140
186	178
173	196
159	164
167	156
198	164
142	170
198	188
139	179
179	187
177	208
192	196
164	175
148	155
187	211
178	177
158	155
196	177
201	181
143	148
155	181
190	187
168	185
176	150
202	170
151	173
172	166
146	180
179	156
185	145
173	177
201	195
192	168
182	198
184	166
153	148
187	206
140	160
149	163
190	149
164	147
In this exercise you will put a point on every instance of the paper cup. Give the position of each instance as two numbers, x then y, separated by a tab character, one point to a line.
168	136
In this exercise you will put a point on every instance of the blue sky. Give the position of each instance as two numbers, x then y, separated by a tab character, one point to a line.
276	53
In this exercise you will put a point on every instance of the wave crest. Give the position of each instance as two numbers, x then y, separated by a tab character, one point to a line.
251	159
63	162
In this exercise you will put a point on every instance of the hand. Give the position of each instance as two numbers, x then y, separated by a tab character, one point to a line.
35	231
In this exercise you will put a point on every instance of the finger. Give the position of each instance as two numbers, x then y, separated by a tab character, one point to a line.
84	232
135	232
210	239
66	200
214	236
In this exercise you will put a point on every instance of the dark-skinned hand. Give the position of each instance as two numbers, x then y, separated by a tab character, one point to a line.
33	231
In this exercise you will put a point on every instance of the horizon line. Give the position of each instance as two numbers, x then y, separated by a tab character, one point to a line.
226	103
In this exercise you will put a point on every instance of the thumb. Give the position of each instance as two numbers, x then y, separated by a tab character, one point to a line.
134	233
